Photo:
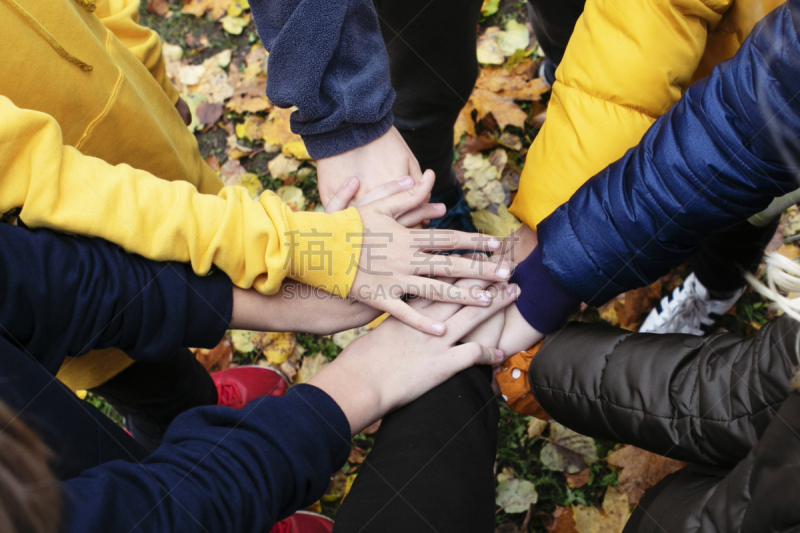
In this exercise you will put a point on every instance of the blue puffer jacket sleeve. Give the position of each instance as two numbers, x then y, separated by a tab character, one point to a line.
328	59
219	469
66	295
719	156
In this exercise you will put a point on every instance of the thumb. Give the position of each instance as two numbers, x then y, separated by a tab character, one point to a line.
472	353
342	198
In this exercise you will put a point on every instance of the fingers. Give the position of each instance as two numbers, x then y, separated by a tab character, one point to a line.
388	189
411	317
447	239
400	203
463	267
342	198
467	355
438	291
417	216
468	318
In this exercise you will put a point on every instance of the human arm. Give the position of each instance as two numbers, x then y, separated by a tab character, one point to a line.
598	109
67	295
257	243
235	470
719	156
121	17
699	399
329	60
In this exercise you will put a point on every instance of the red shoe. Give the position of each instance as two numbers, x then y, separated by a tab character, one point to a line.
238	386
304	522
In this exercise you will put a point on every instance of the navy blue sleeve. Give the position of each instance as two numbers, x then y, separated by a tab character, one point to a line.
66	295
726	149
219	469
328	59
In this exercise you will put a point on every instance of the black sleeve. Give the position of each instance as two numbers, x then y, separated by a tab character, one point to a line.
700	399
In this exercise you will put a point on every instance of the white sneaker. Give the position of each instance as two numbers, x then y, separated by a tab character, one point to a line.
691	307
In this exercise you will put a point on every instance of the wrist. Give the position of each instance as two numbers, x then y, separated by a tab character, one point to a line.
360	401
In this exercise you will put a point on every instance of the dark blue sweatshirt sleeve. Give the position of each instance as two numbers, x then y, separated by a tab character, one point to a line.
219	469
66	295
726	149
328	59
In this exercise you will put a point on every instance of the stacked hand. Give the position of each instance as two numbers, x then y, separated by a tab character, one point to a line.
396	364
395	261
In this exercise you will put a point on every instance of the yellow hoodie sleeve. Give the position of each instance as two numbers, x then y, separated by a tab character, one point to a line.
257	243
626	64
121	17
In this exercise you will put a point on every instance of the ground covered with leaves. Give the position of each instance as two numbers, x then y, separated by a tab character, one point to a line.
548	477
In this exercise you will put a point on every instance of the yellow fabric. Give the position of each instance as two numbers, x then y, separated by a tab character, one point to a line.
626	64
93	153
121	17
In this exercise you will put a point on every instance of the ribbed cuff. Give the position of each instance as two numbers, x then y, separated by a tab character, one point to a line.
542	302
209	309
348	138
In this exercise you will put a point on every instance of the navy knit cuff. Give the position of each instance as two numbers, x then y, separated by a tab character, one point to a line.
348	138
543	303
334	426
209	309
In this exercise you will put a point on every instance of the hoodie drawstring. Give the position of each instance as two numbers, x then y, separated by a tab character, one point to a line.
41	30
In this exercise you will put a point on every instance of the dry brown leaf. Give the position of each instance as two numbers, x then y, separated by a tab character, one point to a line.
789	250
500	225
502	108
310	366
213	163
209	113
335	487
633	309
536	427
576	481
641	470
488	49
231	172
563	521
217	358
276	129
611	518
281	167
464	124
198	8
290	366
482	142
158	7
277	347
198	43
357	455
510	84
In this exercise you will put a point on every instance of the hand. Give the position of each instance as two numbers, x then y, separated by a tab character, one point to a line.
184	111
383	160
393	260
394	364
519	245
344	196
290	309
517	334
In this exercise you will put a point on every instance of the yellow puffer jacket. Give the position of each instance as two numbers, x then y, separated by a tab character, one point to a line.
626	64
91	144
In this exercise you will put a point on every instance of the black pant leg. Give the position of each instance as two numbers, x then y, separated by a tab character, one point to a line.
722	259
431	468
553	23
433	65
151	395
80	436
